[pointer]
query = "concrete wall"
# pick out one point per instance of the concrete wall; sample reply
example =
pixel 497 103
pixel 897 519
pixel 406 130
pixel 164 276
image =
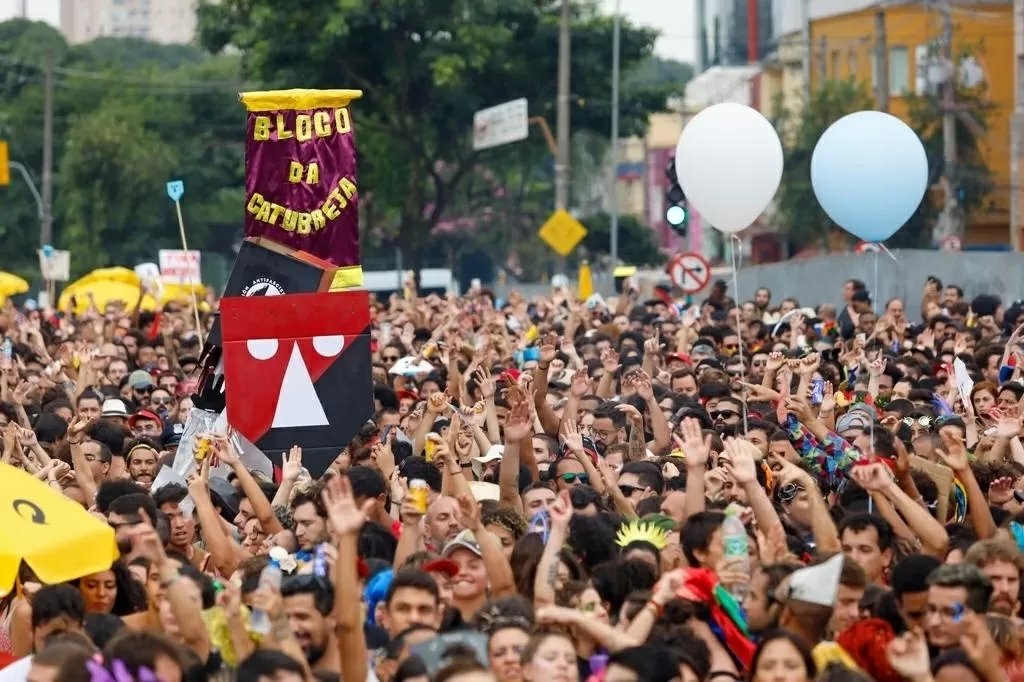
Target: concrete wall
pixel 820 280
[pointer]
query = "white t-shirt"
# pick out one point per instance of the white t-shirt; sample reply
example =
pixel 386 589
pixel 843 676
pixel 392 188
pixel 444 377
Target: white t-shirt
pixel 17 671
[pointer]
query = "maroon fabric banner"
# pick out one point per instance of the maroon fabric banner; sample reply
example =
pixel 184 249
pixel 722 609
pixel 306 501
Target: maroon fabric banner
pixel 300 172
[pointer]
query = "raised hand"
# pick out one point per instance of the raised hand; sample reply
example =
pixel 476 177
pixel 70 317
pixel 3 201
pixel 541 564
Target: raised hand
pixel 77 428
pixel 1007 427
pixel 642 383
pixel 908 655
pixel 1000 491
pixel 808 365
pixel 695 445
pixel 739 461
pixel 346 517
pixel 518 422
pixel 291 464
pixel 483 378
pixel 437 403
pixel 571 437
pixel 872 477
pixel 759 393
pixel 469 513
pixel 560 512
pixel 610 361
pixel 580 385
pixel 877 367
pixel 775 361
pixel 954 452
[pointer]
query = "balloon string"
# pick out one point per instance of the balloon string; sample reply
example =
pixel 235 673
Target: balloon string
pixel 739 321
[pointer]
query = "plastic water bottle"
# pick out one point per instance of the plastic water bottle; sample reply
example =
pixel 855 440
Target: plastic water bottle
pixel 736 544
pixel 259 621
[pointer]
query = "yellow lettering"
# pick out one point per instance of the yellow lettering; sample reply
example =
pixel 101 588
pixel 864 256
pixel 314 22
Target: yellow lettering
pixel 336 196
pixel 348 187
pixel 282 129
pixel 275 213
pixel 291 220
pixel 303 128
pixel 330 210
pixel 255 201
pixel 318 219
pixel 342 122
pixel 294 172
pixel 305 223
pixel 322 123
pixel 263 215
pixel 313 173
pixel 261 128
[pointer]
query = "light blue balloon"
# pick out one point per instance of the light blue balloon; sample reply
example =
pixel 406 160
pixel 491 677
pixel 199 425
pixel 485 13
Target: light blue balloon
pixel 869 172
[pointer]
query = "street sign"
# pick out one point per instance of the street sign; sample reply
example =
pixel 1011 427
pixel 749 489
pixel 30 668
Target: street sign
pixel 562 232
pixel 175 190
pixel 690 272
pixel 505 123
pixel 867 247
pixel 951 244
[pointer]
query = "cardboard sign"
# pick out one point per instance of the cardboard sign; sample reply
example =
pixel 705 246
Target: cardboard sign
pixel 297 371
pixel 943 477
pixel 180 267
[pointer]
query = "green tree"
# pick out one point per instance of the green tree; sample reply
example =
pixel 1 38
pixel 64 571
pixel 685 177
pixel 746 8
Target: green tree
pixel 425 68
pixel 156 112
pixel 798 214
pixel 637 244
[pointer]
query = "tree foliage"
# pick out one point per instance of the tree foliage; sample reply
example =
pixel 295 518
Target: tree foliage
pixel 129 116
pixel 424 69
pixel 637 243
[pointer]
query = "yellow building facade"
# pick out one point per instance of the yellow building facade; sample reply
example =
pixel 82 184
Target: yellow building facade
pixel 843 47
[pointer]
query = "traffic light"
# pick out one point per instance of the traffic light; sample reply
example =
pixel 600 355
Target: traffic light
pixel 677 213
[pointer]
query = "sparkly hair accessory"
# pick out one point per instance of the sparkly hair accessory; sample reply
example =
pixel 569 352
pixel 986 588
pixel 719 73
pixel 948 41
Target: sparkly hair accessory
pixel 642 531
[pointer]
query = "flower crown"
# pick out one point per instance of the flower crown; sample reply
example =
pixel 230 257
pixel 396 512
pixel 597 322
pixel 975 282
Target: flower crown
pixel 642 531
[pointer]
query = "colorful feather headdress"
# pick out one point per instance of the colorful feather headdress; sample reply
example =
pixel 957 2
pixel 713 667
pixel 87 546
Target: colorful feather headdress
pixel 636 530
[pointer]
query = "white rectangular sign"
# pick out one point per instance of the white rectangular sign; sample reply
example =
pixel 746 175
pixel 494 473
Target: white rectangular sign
pixel 505 123
pixel 180 267
pixel 56 267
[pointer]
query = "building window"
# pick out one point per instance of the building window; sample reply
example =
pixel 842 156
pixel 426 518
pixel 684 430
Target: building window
pixel 899 70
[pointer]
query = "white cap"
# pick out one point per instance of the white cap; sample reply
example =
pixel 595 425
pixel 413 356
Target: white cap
pixel 817 584
pixel 114 407
pixel 493 454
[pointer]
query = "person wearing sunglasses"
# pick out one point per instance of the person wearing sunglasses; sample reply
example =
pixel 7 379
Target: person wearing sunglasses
pixel 724 411
pixel 640 480
pixel 141 385
pixel 568 472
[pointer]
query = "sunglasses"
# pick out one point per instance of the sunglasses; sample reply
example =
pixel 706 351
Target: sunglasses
pixel 572 478
pixel 723 414
pixel 789 491
pixel 163 401
pixel 628 490
pixel 920 421
pixel 146 390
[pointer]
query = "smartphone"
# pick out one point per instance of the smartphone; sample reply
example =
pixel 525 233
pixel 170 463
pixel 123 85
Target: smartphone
pixel 817 391
pixel 862 338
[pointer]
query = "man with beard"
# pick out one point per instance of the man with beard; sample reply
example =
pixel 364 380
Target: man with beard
pixel 310 521
pixel 1000 561
pixel 309 607
pixel 954 590
pixel 141 456
pixel 609 426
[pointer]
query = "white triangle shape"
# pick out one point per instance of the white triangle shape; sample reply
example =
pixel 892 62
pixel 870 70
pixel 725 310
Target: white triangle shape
pixel 298 404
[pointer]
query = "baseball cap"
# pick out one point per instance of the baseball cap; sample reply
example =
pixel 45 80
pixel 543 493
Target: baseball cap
pixel 140 379
pixel 445 566
pixel 114 407
pixel 464 540
pixel 145 414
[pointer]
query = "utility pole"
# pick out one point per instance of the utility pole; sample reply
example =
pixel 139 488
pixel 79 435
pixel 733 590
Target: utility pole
pixel 562 123
pixel 46 228
pixel 754 50
pixel 948 97
pixel 23 9
pixel 881 61
pixel 1017 126
pixel 822 61
pixel 703 56
pixel 616 39
pixel 805 20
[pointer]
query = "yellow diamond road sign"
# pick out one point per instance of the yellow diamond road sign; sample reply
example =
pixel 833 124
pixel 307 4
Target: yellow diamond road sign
pixel 562 232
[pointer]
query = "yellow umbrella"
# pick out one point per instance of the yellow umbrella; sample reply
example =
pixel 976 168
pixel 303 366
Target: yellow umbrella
pixel 182 293
pixel 104 292
pixel 56 537
pixel 11 285
pixel 586 282
pixel 114 274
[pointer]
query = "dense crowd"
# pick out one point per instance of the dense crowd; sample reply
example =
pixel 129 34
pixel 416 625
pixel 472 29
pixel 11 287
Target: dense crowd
pixel 551 490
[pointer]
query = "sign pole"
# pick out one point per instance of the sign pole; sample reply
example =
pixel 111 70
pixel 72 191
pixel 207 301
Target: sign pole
pixel 176 190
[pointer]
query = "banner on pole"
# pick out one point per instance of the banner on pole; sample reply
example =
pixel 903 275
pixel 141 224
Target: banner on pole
pixel 54 265
pixel 300 173
pixel 180 267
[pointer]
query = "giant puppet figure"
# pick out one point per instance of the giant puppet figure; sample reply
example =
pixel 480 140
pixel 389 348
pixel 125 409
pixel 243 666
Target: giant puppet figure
pixel 290 354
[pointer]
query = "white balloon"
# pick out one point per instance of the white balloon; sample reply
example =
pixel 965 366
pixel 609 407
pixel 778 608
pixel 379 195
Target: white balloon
pixel 729 164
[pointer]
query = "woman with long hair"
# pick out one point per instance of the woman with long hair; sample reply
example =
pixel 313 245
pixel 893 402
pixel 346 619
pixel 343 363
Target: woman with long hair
pixel 114 591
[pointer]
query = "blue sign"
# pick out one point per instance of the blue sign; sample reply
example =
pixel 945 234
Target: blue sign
pixel 175 190
pixel 48 251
